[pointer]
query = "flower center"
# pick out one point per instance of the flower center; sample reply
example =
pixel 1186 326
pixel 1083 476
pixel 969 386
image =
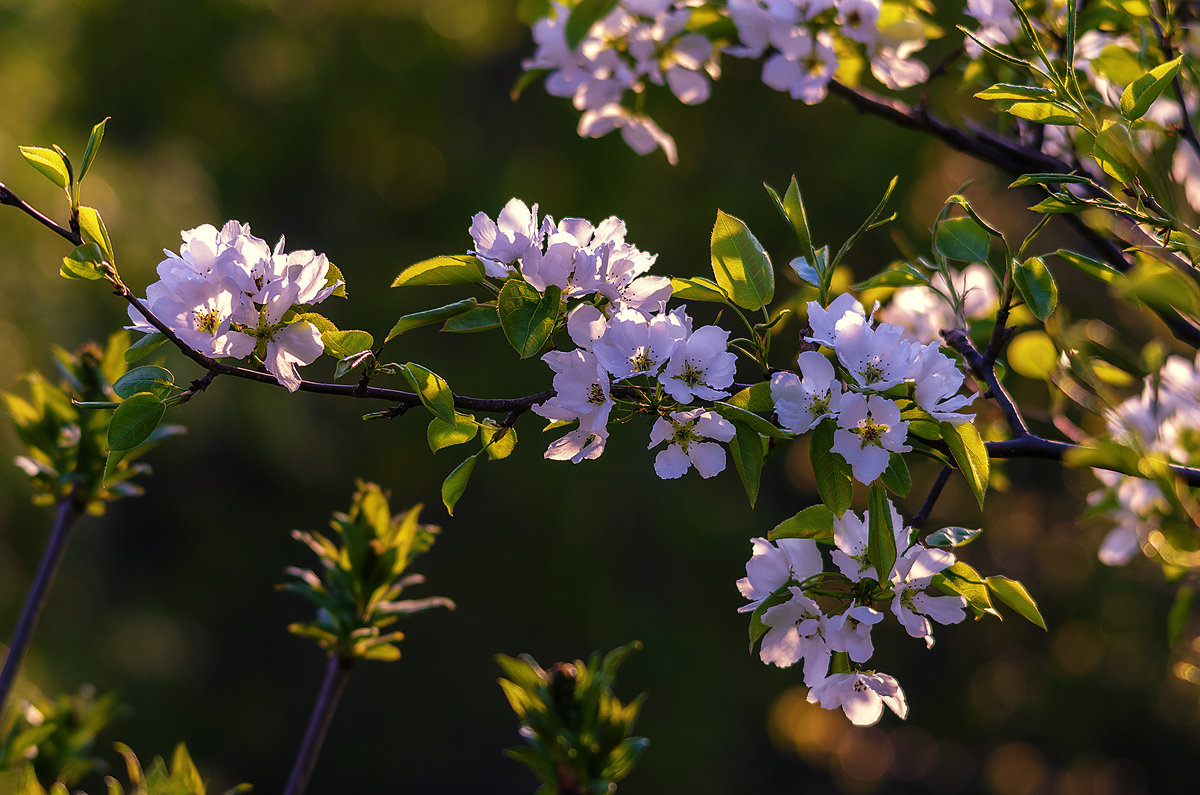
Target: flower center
pixel 595 395
pixel 208 321
pixel 869 432
pixel 642 361
pixel 691 375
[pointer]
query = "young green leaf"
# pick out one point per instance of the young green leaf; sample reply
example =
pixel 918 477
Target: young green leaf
pixel 49 163
pixel 697 289
pixel 969 454
pixel 455 484
pixel 158 381
pixel 91 226
pixel 964 581
pixel 498 445
pixel 747 451
pixel 341 344
pixel 896 476
pixel 751 420
pixel 144 347
pixel 432 389
pixel 815 522
pixel 482 318
pixel 756 398
pixel 447 270
pixel 1092 267
pixel 1013 594
pixel 93 146
pixel 526 316
pixel 1009 91
pixel 881 539
pixel 951 537
pixel 1044 112
pixel 831 471
pixel 83 263
pixel 134 420
pixel 740 266
pixel 441 434
pixel 1139 95
pixel 431 316
pixel 962 239
pixel 1037 287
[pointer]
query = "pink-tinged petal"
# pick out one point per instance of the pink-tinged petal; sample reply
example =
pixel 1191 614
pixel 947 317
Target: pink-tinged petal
pixel 585 325
pixel 577 446
pixel 863 708
pixel 713 426
pixel 803 557
pixel 692 88
pixel 709 458
pixel 871 463
pixel 660 431
pixel 781 646
pixel 671 463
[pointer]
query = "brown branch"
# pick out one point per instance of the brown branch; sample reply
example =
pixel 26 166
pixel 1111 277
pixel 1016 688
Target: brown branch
pixel 7 197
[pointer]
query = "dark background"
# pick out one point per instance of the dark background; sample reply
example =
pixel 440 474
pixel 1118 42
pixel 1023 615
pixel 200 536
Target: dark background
pixel 373 131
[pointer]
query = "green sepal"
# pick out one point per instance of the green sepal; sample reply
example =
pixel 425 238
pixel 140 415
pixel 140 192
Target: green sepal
pixel 815 522
pixel 430 316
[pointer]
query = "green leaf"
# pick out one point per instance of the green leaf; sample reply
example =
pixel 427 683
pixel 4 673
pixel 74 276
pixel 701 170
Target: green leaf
pixel 456 483
pixel 1103 454
pixel 962 239
pixel 50 163
pixel 831 471
pixel 1037 287
pixel 134 420
pixel 964 581
pixel 158 381
pixel 815 522
pixel 319 322
pixel 697 289
pixel 1092 267
pixel 527 317
pixel 482 318
pixel 498 446
pixel 896 476
pixel 1009 91
pixel 881 540
pixel 442 434
pixel 951 537
pixel 145 346
pixel 93 146
pixel 756 398
pixel 432 389
pixel 452 269
pixel 794 213
pixel 747 451
pixel 1058 204
pixel 91 226
pixel 1162 287
pixel 736 414
pixel 585 14
pixel 901 275
pixel 431 316
pixel 1013 594
pixel 1044 112
pixel 1053 178
pixel 969 454
pixel 1139 95
pixel 1114 151
pixel 82 263
pixel 341 344
pixel 740 265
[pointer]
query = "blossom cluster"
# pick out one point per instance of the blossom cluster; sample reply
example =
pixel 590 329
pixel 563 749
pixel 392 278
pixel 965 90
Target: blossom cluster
pixel 816 612
pixel 876 358
pixel 229 294
pixel 638 42
pixel 1164 422
pixel 623 333
pixel 807 38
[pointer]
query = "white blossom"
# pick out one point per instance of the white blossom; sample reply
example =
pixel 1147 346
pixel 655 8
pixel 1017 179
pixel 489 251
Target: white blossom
pixel 700 367
pixel 913 606
pixel 794 632
pixel 689 434
pixel 869 429
pixel 861 695
pixel 773 564
pixel 802 402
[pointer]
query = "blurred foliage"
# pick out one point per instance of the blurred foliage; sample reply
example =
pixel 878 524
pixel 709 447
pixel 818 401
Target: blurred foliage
pixel 361 575
pixel 50 740
pixel 577 730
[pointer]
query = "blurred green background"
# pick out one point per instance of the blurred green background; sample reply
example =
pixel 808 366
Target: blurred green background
pixel 373 131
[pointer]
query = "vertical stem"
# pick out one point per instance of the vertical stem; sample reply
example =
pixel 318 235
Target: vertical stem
pixel 65 517
pixel 337 671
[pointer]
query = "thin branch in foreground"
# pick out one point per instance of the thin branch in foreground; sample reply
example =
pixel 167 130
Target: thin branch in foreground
pixel 7 197
pixel 337 672
pixel 922 516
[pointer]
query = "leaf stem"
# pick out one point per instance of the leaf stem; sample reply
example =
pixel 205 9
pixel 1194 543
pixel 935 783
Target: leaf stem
pixel 337 672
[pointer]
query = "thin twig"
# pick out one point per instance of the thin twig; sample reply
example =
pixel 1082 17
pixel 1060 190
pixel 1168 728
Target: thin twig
pixel 337 671
pixel 922 516
pixel 69 511
pixel 986 371
pixel 13 200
